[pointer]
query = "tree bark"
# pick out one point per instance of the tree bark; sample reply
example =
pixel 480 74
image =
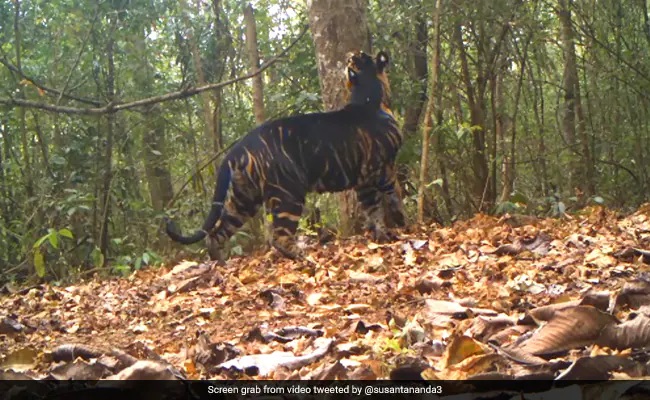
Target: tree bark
pixel 108 151
pixel 338 27
pixel 22 118
pixel 429 112
pixel 206 101
pixel 573 121
pixel 418 54
pixel 475 100
pixel 254 63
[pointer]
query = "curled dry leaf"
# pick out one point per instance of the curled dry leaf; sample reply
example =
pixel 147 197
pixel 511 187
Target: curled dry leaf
pixel 630 334
pixel 264 364
pixel 635 293
pixel 79 370
pixel 145 370
pixel 568 329
pixel 540 244
pixel 10 326
pixel 460 348
pixel 600 368
pixel 483 327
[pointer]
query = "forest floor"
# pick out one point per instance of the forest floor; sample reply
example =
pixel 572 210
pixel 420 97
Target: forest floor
pixel 510 297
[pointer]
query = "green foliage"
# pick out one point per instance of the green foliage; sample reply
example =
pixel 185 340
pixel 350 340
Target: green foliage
pixel 53 238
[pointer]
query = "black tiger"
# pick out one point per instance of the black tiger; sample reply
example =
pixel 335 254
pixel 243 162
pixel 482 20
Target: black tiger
pixel 280 161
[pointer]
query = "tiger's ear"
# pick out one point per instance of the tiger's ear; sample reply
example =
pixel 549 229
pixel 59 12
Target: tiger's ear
pixel 382 60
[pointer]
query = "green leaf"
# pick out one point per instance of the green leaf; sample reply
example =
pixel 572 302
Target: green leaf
pixel 97 257
pixel 461 132
pixel 57 160
pixel 561 208
pixel 40 241
pixel 599 200
pixel 65 232
pixel 138 263
pixel 39 263
pixel 237 250
pixel 54 239
pixel 144 258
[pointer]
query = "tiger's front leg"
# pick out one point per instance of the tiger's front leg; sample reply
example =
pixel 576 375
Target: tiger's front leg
pixel 286 216
pixel 370 199
pixel 388 186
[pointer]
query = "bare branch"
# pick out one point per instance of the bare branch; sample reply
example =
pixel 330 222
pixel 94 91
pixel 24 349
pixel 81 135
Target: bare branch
pixel 44 88
pixel 118 106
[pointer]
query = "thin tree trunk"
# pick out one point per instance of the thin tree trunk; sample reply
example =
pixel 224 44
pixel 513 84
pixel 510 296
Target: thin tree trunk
pixel 254 63
pixel 573 122
pixel 206 100
pixel 9 244
pixel 498 122
pixel 429 112
pixel 509 153
pixel 108 153
pixel 338 27
pixel 418 54
pixel 224 40
pixel 22 118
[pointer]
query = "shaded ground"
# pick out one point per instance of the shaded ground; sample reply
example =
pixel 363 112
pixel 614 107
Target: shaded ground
pixel 489 297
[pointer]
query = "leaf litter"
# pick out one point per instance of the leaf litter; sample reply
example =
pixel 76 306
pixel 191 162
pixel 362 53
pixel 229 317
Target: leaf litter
pixel 486 298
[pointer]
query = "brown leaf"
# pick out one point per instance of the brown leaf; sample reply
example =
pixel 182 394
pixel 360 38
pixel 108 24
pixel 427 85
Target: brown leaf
pixel 20 360
pixel 460 348
pixel 483 326
pixel 79 370
pixel 599 368
pixel 568 329
pixel 145 370
pixel 546 313
pixel 9 326
pixel 630 334
pixel 454 309
pixel 635 293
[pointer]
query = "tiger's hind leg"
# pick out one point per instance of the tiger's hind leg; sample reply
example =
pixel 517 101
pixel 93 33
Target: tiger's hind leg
pixel 286 213
pixel 238 208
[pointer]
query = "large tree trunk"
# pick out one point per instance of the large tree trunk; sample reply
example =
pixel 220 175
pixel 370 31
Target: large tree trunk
pixel 573 121
pixel 476 103
pixel 338 26
pixel 159 180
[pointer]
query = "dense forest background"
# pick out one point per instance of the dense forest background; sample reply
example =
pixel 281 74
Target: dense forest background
pixel 115 112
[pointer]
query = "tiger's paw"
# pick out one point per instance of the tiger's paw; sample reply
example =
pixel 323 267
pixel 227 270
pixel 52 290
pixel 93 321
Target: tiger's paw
pixel 383 236
pixel 289 250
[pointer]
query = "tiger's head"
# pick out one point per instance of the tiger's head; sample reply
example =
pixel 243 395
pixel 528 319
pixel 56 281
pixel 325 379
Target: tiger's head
pixel 367 80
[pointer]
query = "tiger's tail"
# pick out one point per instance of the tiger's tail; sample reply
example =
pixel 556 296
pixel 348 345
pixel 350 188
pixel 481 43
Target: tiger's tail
pixel 220 193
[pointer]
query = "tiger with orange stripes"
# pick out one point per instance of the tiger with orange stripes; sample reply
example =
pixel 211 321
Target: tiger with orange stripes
pixel 280 161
